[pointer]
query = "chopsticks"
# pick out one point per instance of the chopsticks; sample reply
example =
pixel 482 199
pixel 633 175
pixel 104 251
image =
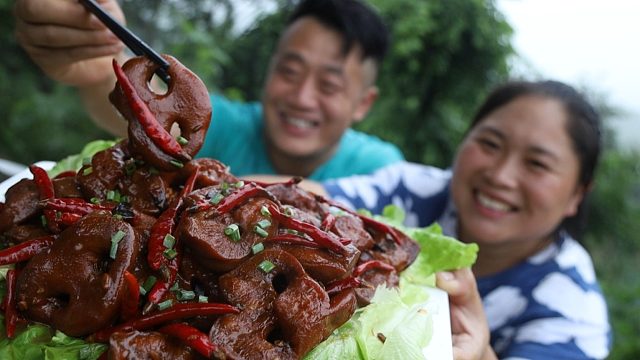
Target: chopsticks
pixel 130 39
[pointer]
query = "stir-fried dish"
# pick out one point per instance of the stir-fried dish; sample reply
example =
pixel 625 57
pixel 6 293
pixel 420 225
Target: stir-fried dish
pixel 160 255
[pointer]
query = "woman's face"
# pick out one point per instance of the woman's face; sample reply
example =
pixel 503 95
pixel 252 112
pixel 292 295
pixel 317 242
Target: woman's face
pixel 516 174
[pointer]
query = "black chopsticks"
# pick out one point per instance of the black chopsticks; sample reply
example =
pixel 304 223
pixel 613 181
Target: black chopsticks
pixel 132 41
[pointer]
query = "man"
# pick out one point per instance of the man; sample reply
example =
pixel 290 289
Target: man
pixel 321 80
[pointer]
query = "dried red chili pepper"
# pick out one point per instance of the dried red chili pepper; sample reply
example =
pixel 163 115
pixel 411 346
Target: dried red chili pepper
pixel 132 298
pixel 10 311
pixel 162 286
pixel 346 283
pixel 68 219
pixel 238 197
pixel 159 135
pixel 52 221
pixel 326 239
pixel 192 337
pixel 293 181
pixel 64 174
pixel 372 264
pixel 176 312
pixel 374 224
pixel 160 229
pixel 25 250
pixel 234 199
pixel 165 224
pixel 328 222
pixel 75 205
pixel 292 239
pixel 43 182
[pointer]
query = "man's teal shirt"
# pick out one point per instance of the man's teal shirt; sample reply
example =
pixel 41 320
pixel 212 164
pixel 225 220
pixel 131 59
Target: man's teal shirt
pixel 235 138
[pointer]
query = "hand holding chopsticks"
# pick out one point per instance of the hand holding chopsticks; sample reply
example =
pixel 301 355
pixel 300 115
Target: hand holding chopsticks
pixel 132 41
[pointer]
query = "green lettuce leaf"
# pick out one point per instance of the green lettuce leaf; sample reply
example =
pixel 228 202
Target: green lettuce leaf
pixel 399 316
pixel 36 342
pixel 74 162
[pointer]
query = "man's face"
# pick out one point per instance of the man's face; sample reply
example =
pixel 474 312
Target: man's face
pixel 314 92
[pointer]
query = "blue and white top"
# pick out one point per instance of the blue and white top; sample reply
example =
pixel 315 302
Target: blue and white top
pixel 547 307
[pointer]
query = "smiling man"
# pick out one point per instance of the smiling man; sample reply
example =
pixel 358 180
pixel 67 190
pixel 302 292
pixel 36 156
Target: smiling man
pixel 320 81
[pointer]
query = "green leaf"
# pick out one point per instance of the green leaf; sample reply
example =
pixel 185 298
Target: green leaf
pixel 75 162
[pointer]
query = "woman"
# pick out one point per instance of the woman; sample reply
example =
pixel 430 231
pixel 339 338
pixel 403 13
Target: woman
pixel 519 179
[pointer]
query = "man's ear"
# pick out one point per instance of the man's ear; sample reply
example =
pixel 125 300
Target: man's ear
pixel 366 101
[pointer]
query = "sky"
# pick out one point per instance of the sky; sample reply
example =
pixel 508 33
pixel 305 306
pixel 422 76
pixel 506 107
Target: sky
pixel 586 43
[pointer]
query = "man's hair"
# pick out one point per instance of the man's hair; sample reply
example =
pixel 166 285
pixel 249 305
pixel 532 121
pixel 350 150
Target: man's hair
pixel 357 22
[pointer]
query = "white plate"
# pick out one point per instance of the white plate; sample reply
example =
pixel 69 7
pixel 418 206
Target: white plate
pixel 439 347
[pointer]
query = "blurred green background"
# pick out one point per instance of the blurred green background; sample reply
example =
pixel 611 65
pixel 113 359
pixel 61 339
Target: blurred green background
pixel 446 55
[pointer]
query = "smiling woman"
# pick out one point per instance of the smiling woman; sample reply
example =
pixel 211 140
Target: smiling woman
pixel 519 177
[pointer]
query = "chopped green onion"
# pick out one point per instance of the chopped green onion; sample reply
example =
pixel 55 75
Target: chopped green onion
pixel 257 248
pixel 169 241
pixel 111 195
pixel 238 184
pixel 43 220
pixel 215 199
pixel 148 284
pixel 170 254
pixel 153 171
pixel 233 232
pixel 115 239
pixel 58 215
pixel 186 295
pixel 264 211
pixel 266 266
pixel 224 186
pixel 95 200
pixel 203 299
pixel 165 304
pixel 119 235
pixel 260 231
pixel 177 163
pixel 182 140
pixel 264 223
pixel 124 199
pixel 292 232
pixel 175 287
pixel 87 171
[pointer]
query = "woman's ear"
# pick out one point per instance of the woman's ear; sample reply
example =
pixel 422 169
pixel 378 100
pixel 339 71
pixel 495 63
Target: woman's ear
pixel 576 199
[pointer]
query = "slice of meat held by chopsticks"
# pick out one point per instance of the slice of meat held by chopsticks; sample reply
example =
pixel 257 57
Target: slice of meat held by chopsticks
pixel 152 115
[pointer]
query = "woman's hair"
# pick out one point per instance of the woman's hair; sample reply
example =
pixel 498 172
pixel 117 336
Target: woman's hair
pixel 583 128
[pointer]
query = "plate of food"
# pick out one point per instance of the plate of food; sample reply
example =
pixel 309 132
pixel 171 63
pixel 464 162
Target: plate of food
pixel 134 249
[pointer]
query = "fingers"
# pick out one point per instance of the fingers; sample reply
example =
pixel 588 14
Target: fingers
pixel 53 36
pixel 468 322
pixel 458 284
pixel 66 41
pixel 68 13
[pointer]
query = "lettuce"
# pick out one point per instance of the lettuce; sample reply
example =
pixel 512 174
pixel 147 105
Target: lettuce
pixel 74 162
pixel 37 342
pixel 399 316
